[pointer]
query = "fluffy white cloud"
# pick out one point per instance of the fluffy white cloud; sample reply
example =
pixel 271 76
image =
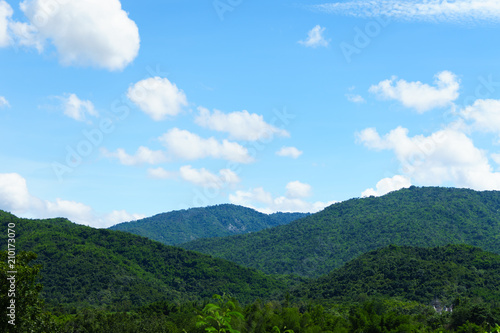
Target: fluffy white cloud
pixel 241 125
pixel 297 189
pixel 263 201
pixel 387 185
pixel 157 97
pixel 85 32
pixel 143 155
pixel 160 173
pixel 27 35
pixel 203 177
pixel 419 96
pixel 289 152
pixel 186 145
pixel 5 15
pixel 14 194
pixel 118 216
pixel 484 114
pixel 315 38
pixel 4 102
pixel 76 108
pixel 460 11
pixel 16 198
pixel 72 210
pixel 447 155
pixel 199 177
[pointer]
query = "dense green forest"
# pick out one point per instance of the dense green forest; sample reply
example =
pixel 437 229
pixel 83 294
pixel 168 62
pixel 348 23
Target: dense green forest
pixel 214 221
pixel 83 266
pixel 441 274
pixel 80 279
pixel 321 242
pixel 296 312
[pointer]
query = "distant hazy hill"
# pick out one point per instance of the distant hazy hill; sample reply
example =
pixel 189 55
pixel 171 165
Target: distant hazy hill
pixel 416 274
pixel 86 266
pixel 317 244
pixel 215 221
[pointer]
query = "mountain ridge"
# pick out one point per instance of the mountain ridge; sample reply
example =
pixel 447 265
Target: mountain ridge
pixel 321 242
pixel 180 226
pixel 100 267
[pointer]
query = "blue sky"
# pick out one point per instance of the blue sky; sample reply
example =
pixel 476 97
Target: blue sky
pixel 111 111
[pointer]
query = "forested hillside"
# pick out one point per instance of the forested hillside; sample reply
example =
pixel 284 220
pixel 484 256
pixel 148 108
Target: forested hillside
pixel 442 274
pixel 214 221
pixel 82 266
pixel 99 280
pixel 321 242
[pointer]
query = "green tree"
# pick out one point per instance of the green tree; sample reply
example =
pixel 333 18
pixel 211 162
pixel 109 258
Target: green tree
pixel 218 318
pixel 19 295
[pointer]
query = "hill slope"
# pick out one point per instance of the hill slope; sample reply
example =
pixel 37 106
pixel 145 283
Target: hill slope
pixel 86 266
pixel 215 221
pixel 321 242
pixel 416 274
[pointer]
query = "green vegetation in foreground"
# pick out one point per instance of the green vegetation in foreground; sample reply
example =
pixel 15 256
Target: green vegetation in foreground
pixel 227 315
pixel 441 274
pixel 82 267
pixel 319 243
pixel 214 221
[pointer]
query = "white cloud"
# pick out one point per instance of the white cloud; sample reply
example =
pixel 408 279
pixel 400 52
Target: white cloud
pixel 246 198
pixel 157 97
pixel 14 194
pixel 297 189
pixel 199 177
pixel 118 216
pixel 27 35
pixel 485 114
pixel 315 38
pixel 496 158
pixel 240 125
pixel 203 177
pixel 5 15
pixel 355 98
pixel 445 156
pixel 74 211
pixel 16 198
pixel 76 108
pixel 4 102
pixel 419 96
pixel 143 155
pixel 289 152
pixel 186 145
pixel 458 11
pixel 264 202
pixel 86 32
pixel 387 185
pixel 160 173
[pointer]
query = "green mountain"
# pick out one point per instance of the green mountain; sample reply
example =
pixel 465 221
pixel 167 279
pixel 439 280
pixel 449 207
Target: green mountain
pixel 319 243
pixel 215 221
pixel 82 266
pixel 417 274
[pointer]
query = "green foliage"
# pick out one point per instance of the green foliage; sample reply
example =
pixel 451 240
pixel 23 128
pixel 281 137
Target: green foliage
pixel 28 309
pixel 217 318
pixel 109 281
pixel 319 243
pixel 214 221
pixel 85 267
pixel 416 274
pixel 497 329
